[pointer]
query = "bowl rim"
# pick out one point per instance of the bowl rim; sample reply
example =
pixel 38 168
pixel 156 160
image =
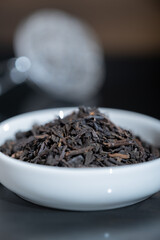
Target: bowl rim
pixel 19 163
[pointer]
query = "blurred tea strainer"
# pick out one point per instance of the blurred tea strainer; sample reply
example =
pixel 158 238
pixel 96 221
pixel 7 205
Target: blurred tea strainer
pixel 60 54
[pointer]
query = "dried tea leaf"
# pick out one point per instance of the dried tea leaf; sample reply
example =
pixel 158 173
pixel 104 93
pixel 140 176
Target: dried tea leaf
pixel 86 138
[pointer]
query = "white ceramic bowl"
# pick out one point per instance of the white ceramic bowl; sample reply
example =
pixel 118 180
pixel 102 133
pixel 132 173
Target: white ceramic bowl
pixel 82 189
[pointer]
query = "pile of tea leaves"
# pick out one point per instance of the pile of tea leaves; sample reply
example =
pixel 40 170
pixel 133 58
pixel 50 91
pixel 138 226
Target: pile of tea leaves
pixel 86 138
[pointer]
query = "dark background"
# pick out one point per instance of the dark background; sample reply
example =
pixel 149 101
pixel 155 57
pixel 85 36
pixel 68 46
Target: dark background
pixel 131 82
pixel 130 36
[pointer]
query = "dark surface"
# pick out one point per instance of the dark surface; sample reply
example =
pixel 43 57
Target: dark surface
pixel 131 83
pixel 21 220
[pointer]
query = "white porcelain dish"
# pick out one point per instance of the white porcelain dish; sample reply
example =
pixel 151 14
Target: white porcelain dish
pixel 82 189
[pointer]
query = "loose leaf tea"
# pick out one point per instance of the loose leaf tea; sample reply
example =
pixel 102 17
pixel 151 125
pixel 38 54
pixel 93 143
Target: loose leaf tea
pixel 86 138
